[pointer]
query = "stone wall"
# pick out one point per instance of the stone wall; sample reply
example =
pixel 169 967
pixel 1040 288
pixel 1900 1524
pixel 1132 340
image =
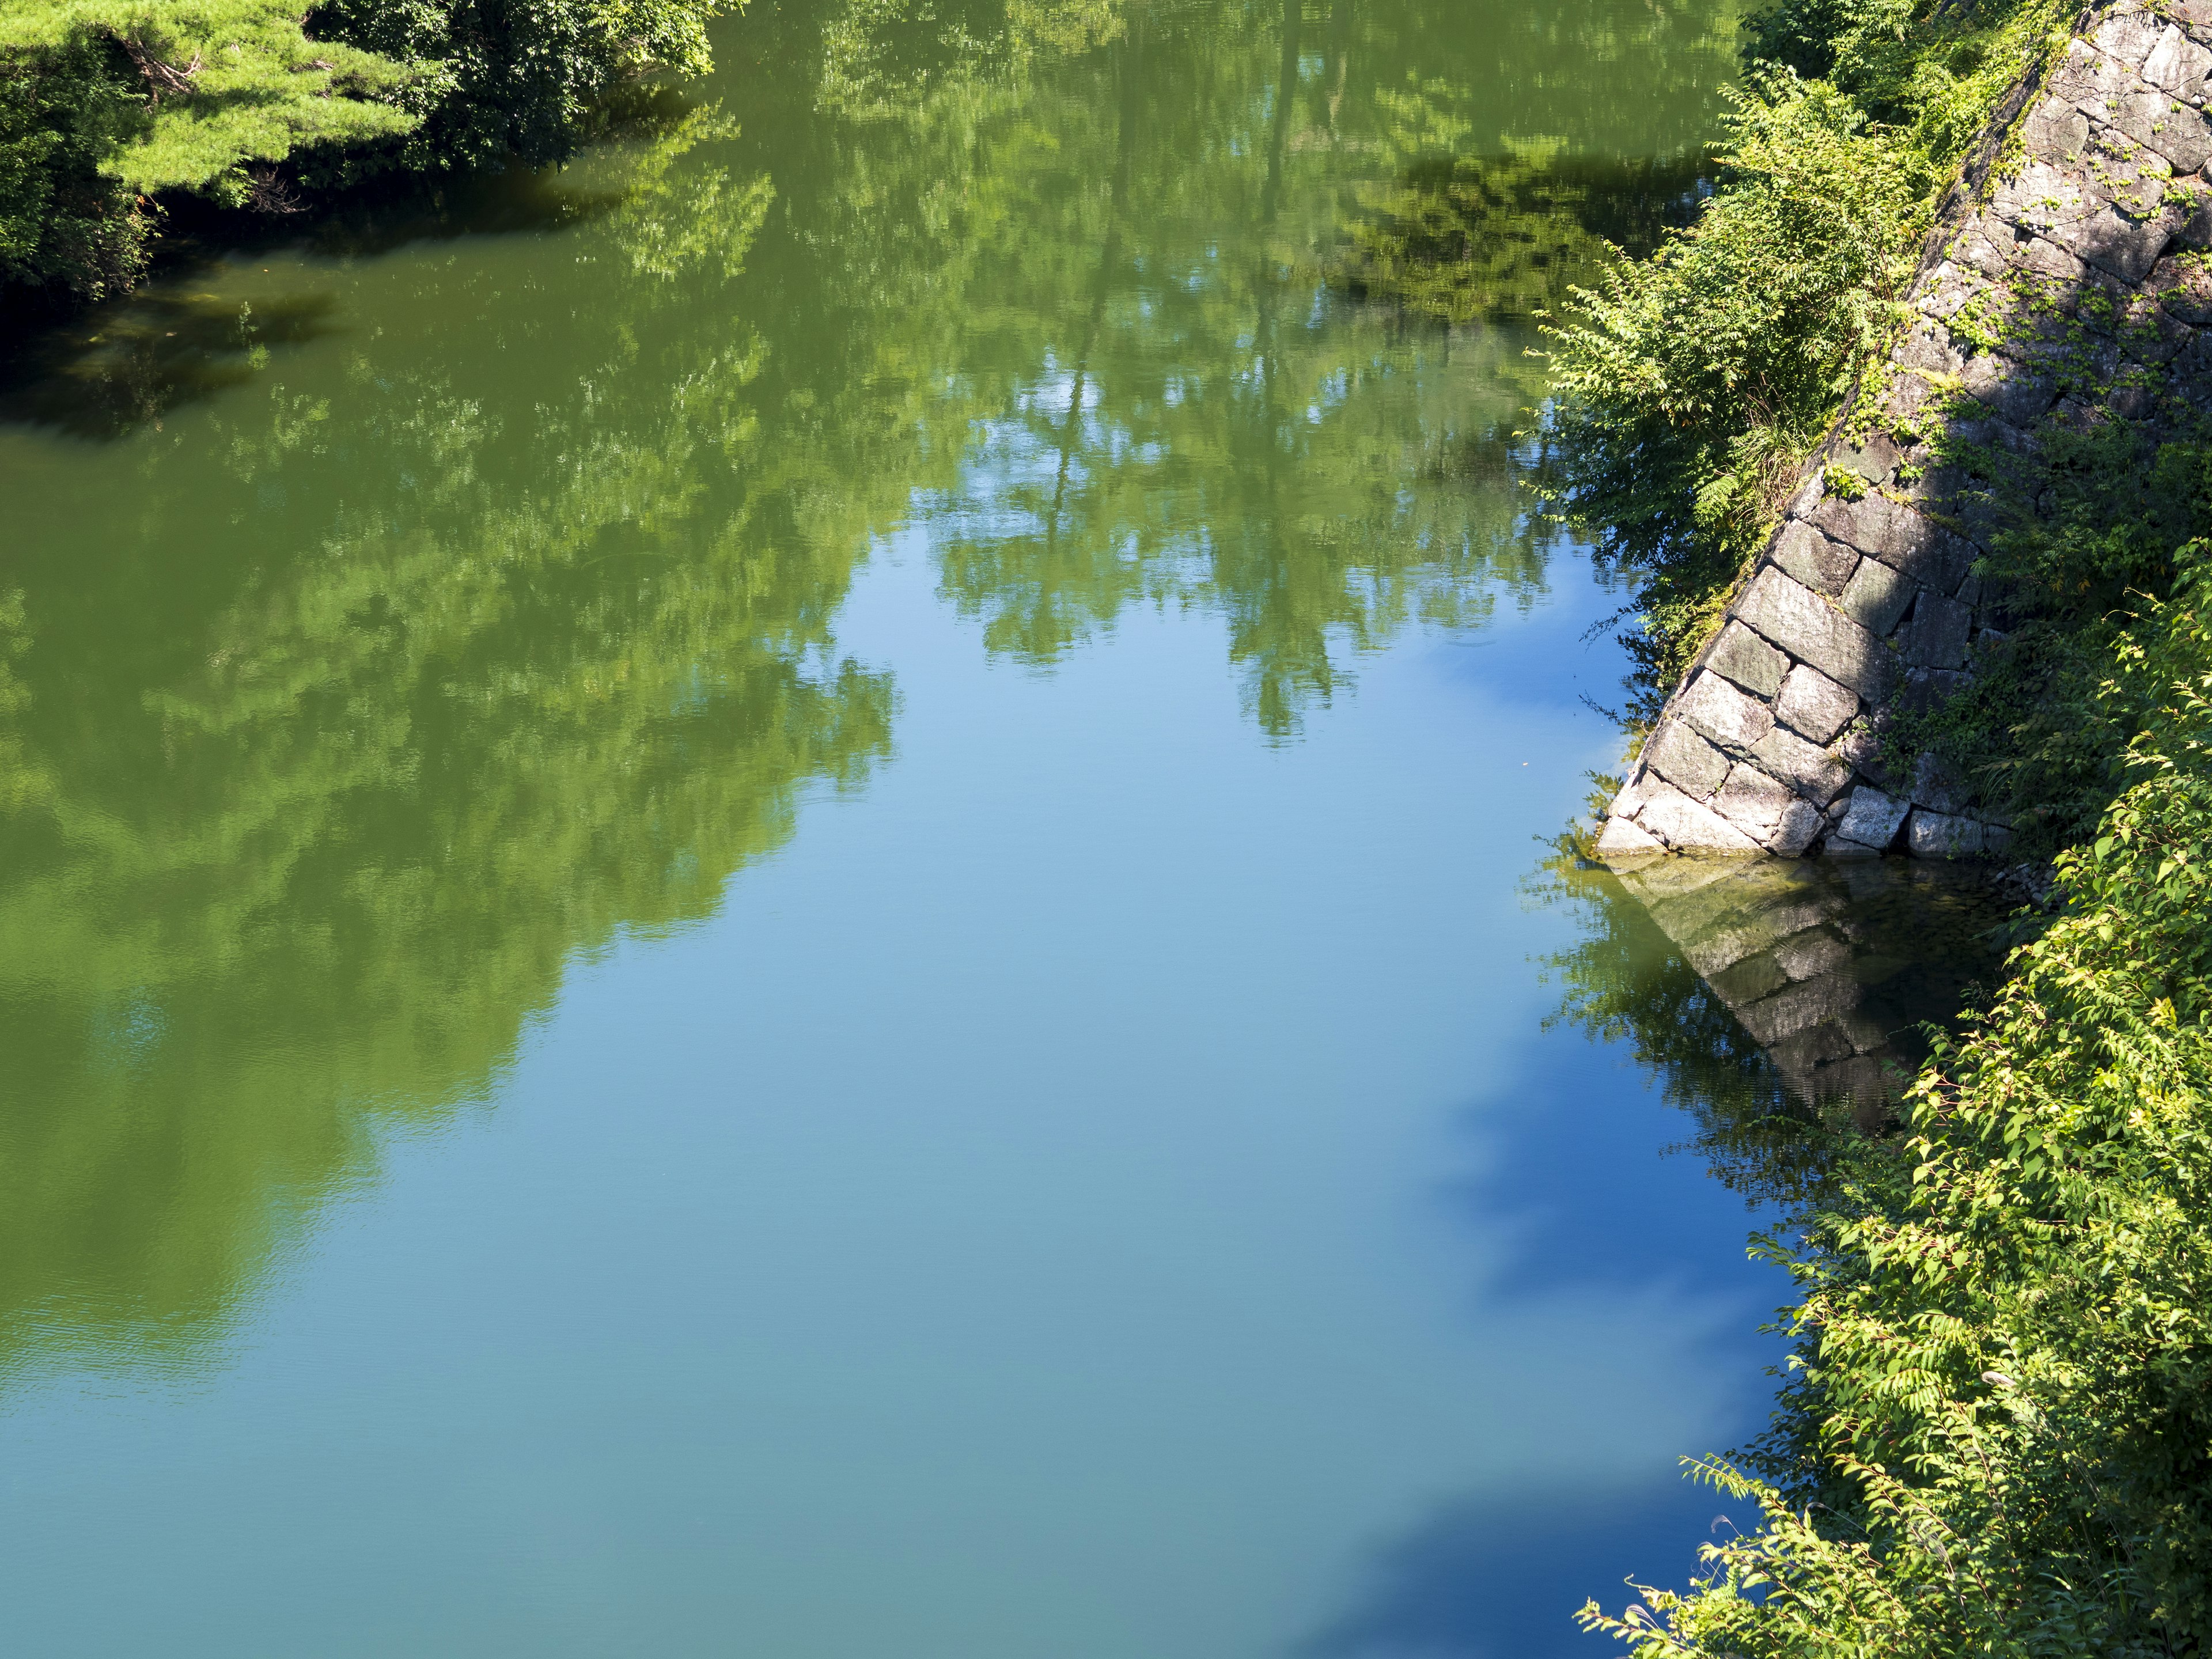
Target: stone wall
pixel 2066 281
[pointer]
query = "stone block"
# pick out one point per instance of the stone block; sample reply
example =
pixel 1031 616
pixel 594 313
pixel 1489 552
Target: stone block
pixel 1871 819
pixel 1749 661
pixel 2012 390
pixel 1935 635
pixel 1836 847
pixel 1723 714
pixel 1809 771
pixel 2178 63
pixel 2056 131
pixel 1875 597
pixel 1941 562
pixel 2148 116
pixel 1685 825
pixel 1752 801
pixel 1873 523
pixel 1630 801
pixel 1937 784
pixel 1813 704
pixel 1821 564
pixel 1942 835
pixel 2183 288
pixel 1791 616
pixel 1862 750
pixel 1925 690
pixel 2130 37
pixel 1686 760
pixel 1794 834
pixel 1620 839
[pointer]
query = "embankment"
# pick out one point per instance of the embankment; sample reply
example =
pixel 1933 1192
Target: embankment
pixel 2063 291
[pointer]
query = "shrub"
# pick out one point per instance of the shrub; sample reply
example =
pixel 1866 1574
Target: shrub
pixel 1997 1439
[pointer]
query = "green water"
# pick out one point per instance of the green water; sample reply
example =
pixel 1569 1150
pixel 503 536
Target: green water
pixel 771 898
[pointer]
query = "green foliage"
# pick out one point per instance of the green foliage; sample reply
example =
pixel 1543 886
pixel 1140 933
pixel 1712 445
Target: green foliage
pixel 63 221
pixel 1997 1439
pixel 519 80
pixel 2090 524
pixel 1690 386
pixel 224 83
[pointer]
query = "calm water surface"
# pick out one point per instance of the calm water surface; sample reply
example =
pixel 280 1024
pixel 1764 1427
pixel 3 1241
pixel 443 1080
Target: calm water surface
pixel 775 899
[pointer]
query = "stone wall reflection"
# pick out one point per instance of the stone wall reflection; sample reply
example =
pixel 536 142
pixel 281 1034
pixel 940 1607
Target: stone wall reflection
pixel 1775 1001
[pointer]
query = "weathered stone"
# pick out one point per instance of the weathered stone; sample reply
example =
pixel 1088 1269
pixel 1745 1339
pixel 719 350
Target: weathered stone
pixel 1686 760
pixel 2178 63
pixel 1871 820
pixel 2055 131
pixel 1812 558
pixel 1873 523
pixel 2184 288
pixel 1622 840
pixel 1752 801
pixel 1723 714
pixel 1813 704
pixel 1807 769
pixel 1861 748
pixel 1638 790
pixel 1800 823
pixel 1838 847
pixel 1684 825
pixel 1937 784
pixel 1941 562
pixel 1875 597
pixel 1925 690
pixel 1792 616
pixel 2012 390
pixel 1749 661
pixel 1940 836
pixel 1935 635
pixel 2130 37
pixel 2148 117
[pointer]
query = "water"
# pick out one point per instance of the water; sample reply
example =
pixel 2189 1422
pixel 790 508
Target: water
pixel 782 897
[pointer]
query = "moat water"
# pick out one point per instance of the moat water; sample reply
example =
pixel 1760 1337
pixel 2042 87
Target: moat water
pixel 788 897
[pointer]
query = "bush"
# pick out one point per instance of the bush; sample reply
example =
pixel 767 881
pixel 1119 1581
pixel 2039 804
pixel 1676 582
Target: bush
pixel 1689 387
pixel 63 223
pixel 1997 1439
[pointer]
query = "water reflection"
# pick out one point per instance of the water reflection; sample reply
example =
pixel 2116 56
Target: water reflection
pixel 1777 1002
pixel 391 617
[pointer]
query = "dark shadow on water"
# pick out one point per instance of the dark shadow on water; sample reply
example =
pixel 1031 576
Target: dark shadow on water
pixel 1493 1579
pixel 128 364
